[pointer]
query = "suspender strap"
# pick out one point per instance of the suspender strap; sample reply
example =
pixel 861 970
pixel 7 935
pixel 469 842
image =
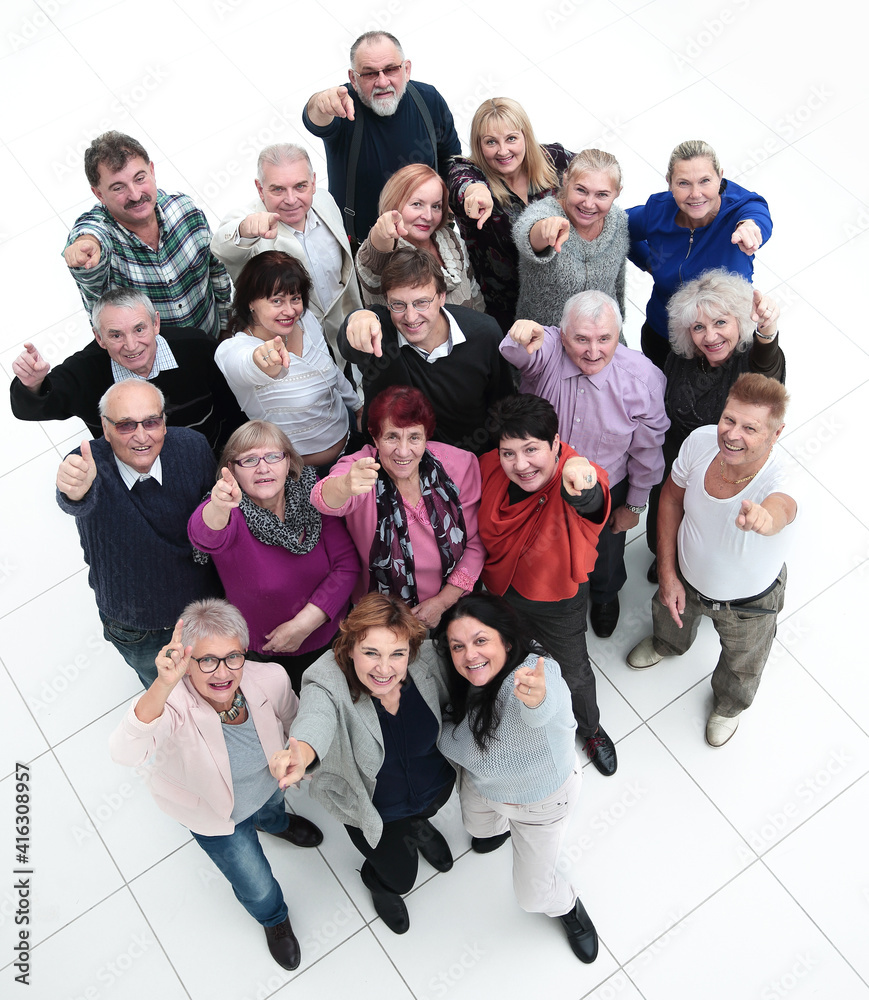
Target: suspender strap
pixel 356 146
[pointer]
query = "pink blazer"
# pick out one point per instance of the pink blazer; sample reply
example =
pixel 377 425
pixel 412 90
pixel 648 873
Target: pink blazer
pixel 188 766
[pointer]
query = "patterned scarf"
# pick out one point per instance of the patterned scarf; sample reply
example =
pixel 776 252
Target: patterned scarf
pixel 299 531
pixel 391 558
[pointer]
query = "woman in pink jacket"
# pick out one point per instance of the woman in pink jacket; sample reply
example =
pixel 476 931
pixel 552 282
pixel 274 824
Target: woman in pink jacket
pixel 204 709
pixel 410 505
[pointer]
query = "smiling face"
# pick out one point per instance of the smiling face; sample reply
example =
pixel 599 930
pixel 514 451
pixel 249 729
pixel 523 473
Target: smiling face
pixel 134 400
pixel 478 651
pixel 590 345
pixel 694 185
pixel 715 337
pixel 130 193
pixel 400 450
pixel 423 212
pixel 379 76
pixel 264 483
pixel 426 327
pixel 287 189
pixel 219 688
pixel 130 337
pixel 745 437
pixel 529 462
pixel 588 198
pixel 503 149
pixel 275 316
pixel 380 660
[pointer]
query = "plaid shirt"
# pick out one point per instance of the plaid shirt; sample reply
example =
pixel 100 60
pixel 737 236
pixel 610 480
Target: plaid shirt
pixel 184 280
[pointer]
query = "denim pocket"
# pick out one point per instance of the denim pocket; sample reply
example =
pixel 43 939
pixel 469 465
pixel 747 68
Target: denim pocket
pixel 114 630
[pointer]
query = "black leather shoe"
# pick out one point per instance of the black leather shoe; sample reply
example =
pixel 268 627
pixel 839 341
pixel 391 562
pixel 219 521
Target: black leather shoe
pixel 389 906
pixel 581 935
pixel 601 751
pixel 432 845
pixel 485 845
pixel 652 574
pixel 300 832
pixel 604 618
pixel 283 945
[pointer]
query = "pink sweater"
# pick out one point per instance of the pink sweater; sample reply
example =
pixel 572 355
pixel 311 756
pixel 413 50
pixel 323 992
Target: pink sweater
pixel 360 513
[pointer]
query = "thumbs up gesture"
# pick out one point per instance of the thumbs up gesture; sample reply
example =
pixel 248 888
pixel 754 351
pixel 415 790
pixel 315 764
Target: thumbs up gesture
pixel 77 473
pixel 529 686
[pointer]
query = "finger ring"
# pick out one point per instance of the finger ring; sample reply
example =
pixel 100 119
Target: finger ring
pixel 527 689
pixel 588 479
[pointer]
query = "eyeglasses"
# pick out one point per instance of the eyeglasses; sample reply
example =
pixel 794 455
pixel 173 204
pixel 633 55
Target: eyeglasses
pixel 373 74
pixel 252 461
pixel 420 305
pixel 129 426
pixel 208 664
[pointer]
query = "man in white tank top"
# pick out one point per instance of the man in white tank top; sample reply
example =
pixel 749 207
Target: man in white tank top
pixel 722 545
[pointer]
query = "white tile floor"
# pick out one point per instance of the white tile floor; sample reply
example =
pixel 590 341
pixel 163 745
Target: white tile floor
pixel 727 875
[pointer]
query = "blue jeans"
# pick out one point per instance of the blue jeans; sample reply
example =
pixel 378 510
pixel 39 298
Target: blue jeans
pixel 137 646
pixel 239 856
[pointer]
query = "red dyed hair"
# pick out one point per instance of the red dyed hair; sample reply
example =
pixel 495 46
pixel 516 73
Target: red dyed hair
pixel 404 406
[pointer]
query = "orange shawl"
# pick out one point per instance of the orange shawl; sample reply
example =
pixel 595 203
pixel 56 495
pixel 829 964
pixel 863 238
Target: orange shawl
pixel 539 546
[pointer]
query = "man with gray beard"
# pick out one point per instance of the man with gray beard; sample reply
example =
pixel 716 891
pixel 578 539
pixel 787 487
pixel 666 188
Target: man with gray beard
pixel 377 125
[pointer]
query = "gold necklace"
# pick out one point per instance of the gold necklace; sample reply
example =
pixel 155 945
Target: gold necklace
pixel 736 482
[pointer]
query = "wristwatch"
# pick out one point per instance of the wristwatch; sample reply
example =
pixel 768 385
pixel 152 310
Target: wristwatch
pixel 635 510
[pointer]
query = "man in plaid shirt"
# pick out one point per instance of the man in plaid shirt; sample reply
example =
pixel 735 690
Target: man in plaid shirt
pixel 143 238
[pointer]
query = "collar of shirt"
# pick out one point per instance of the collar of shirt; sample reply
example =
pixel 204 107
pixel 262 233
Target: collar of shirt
pixel 570 370
pixel 164 361
pixel 454 337
pixel 311 223
pixel 130 476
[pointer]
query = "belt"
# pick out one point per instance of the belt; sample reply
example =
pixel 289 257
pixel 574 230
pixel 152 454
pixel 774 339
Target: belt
pixel 713 605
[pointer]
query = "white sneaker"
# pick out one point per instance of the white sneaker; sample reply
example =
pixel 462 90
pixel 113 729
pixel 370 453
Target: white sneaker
pixel 643 654
pixel 719 729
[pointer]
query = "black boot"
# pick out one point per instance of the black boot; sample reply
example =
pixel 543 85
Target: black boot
pixel 581 935
pixel 388 905
pixel 283 945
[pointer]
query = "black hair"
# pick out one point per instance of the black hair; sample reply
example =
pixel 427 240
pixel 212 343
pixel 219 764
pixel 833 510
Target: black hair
pixel 524 416
pixel 495 613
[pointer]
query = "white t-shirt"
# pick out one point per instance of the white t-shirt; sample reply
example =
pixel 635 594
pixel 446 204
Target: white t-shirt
pixel 715 557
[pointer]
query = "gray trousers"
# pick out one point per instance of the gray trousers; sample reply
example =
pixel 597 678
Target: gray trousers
pixel 746 633
pixel 537 831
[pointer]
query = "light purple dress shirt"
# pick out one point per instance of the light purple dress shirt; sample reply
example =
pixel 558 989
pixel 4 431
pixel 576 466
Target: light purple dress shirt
pixel 615 418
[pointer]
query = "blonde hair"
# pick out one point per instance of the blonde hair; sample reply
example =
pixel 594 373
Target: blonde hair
pixel 537 166
pixel 692 149
pixel 587 161
pixel 261 433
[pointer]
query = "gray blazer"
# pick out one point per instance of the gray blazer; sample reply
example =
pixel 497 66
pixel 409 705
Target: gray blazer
pixel 347 738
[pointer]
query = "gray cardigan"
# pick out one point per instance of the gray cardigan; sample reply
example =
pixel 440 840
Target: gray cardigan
pixel 347 738
pixel 547 280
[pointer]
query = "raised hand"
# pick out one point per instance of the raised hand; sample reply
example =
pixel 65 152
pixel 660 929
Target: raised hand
pixel 529 686
pixel 173 659
pixel 578 475
pixel 362 476
pixel 271 356
pixel 288 766
pixel 84 252
pixel 747 236
pixel 31 367
pixel 765 313
pixel 551 232
pixel 335 102
pixel 388 228
pixel 754 517
pixel 364 332
pixel 77 473
pixel 259 226
pixel 226 494
pixel 478 202
pixel 527 333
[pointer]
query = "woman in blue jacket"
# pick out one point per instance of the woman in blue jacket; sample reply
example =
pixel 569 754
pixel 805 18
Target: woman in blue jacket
pixel 703 221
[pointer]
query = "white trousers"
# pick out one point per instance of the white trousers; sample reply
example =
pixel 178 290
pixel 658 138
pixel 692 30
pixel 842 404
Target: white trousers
pixel 537 831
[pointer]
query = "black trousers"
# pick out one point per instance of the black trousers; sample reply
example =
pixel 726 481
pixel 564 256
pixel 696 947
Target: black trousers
pixel 609 574
pixel 654 346
pixel 395 860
